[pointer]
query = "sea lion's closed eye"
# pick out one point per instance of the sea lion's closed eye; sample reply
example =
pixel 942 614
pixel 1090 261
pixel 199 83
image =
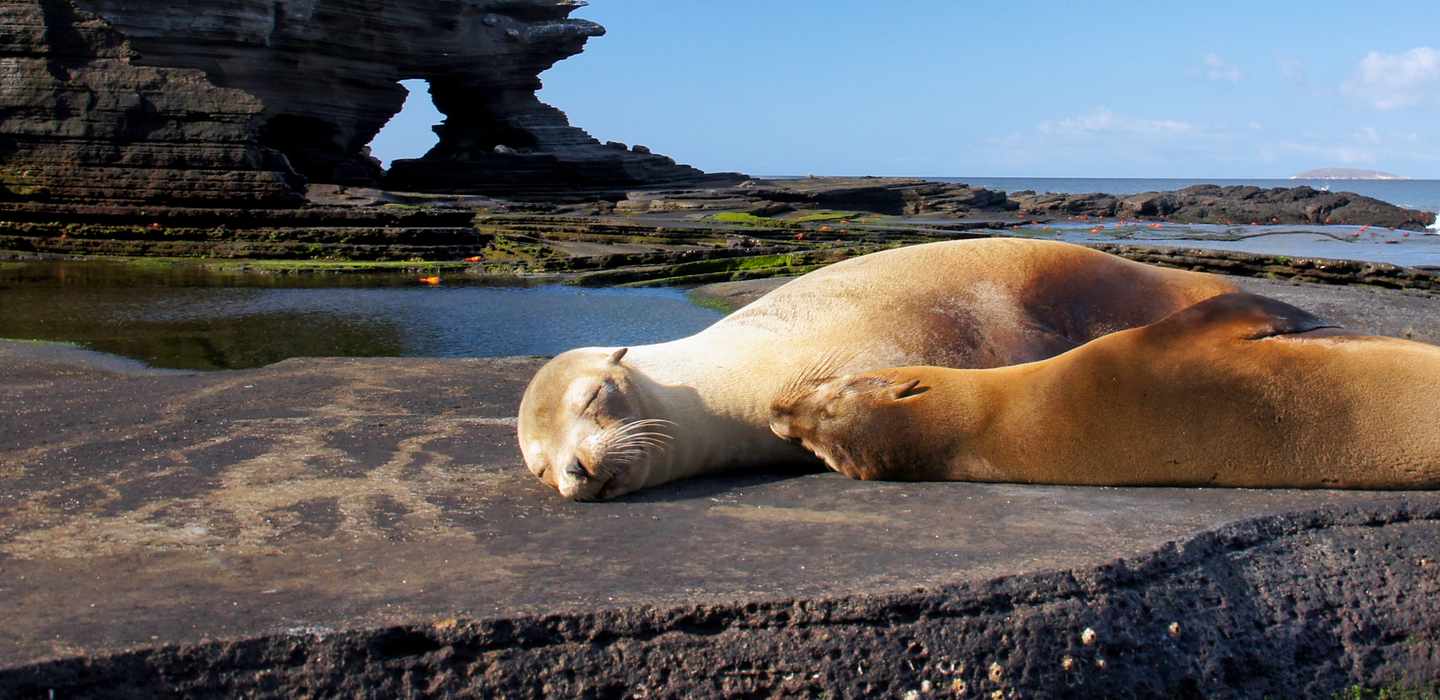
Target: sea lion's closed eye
pixel 594 395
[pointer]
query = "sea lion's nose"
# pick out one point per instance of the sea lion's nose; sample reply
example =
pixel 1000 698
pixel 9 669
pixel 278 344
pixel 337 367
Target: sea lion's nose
pixel 577 472
pixel 781 429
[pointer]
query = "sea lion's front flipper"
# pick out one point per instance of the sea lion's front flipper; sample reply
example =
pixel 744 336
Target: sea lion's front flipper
pixel 1242 315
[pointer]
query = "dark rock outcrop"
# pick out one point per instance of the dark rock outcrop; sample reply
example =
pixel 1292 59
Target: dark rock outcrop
pixel 911 197
pixel 234 100
pixel 82 120
pixel 896 196
pixel 1236 204
pixel 877 195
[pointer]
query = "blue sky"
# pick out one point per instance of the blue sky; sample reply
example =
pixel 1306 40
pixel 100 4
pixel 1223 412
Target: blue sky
pixel 1013 88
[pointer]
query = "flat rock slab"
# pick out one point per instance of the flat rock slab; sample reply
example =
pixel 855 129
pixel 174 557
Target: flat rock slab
pixel 142 508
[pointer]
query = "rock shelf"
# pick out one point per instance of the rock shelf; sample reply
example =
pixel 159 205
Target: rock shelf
pixel 339 527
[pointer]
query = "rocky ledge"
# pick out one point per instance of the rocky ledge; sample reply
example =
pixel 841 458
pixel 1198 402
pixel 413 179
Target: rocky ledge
pixel 365 527
pixel 689 236
pixel 240 102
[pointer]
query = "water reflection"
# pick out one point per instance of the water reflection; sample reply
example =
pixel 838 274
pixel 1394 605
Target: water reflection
pixel 189 318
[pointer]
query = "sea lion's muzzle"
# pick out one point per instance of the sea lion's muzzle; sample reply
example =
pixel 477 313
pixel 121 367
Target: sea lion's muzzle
pixel 573 482
pixel 577 472
pixel 782 430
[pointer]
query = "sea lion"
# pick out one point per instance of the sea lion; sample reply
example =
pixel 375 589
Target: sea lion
pixel 600 422
pixel 1238 390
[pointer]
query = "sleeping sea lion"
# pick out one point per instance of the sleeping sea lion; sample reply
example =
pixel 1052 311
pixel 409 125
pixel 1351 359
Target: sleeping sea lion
pixel 600 422
pixel 1237 390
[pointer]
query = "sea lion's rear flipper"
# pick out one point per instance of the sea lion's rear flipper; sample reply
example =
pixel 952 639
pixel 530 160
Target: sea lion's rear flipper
pixel 1242 315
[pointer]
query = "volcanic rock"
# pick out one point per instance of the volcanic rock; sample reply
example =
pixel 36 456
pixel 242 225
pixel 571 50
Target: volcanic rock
pixel 233 101
pixel 82 120
pixel 880 195
pixel 1237 204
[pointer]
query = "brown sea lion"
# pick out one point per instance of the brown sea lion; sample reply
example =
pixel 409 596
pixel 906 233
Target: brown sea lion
pixel 1237 390
pixel 599 422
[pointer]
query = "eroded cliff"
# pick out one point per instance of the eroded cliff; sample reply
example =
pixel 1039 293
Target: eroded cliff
pixel 82 120
pixel 244 100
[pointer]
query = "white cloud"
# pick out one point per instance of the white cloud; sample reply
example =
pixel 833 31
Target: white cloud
pixel 1217 69
pixel 1392 81
pixel 1104 121
pixel 1293 69
pixel 1368 135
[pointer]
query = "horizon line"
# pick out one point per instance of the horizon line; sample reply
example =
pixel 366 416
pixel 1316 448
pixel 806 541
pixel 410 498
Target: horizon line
pixel 1117 177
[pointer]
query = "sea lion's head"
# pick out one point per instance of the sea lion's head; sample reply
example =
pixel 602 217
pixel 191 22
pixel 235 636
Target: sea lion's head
pixel 581 429
pixel 843 419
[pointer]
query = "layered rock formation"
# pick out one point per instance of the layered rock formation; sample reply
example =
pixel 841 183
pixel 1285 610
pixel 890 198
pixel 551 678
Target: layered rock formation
pixel 81 120
pixel 232 100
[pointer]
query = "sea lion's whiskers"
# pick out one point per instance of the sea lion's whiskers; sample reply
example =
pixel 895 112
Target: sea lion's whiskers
pixel 639 441
pixel 622 429
pixel 822 370
pixel 642 437
pixel 625 443
pixel 638 446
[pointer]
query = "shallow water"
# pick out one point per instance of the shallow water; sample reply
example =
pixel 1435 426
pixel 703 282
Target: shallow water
pixel 187 318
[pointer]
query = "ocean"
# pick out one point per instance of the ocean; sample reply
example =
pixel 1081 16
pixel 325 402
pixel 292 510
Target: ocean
pixel 1411 194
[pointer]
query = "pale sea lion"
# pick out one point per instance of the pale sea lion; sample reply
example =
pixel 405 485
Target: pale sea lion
pixel 599 422
pixel 1238 390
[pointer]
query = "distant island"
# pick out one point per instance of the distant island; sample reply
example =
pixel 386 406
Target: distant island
pixel 1345 174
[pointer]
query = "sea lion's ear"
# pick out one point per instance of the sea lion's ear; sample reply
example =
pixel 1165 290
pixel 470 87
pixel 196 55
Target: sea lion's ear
pixel 880 387
pixel 618 355
pixel 904 390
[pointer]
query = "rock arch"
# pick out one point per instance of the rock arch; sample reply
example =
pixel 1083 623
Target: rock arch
pixel 245 100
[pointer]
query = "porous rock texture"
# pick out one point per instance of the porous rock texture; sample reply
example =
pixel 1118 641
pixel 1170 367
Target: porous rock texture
pixel 1305 605
pixel 236 100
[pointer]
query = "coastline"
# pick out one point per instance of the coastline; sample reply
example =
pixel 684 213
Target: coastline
pixel 687 237
pixel 363 524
